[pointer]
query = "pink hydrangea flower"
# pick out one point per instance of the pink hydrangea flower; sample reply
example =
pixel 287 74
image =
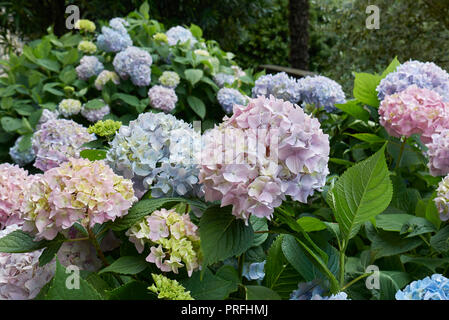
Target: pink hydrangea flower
pixel 78 191
pixel 266 151
pixel 414 111
pixel 438 153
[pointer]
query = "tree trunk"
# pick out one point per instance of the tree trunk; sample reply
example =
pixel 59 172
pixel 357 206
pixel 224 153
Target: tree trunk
pixel 299 34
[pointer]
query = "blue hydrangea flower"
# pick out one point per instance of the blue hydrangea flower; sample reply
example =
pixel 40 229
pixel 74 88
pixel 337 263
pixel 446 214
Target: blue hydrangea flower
pixel 424 74
pixel 254 271
pixel 281 86
pixel 114 38
pixel 135 63
pixel 22 158
pixel 313 291
pixel 181 35
pixel 158 152
pixel 221 79
pixel 227 97
pixel 321 92
pixel 89 66
pixel 429 288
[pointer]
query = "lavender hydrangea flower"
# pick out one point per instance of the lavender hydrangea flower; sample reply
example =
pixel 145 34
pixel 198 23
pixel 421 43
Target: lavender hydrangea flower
pixel 140 150
pixel 227 97
pixel 46 116
pixel 22 158
pixel 221 79
pixel 438 153
pixel 57 140
pixel 162 98
pixel 281 86
pixel 435 287
pixel 94 115
pixel 135 63
pixel 114 38
pixel 181 35
pixel 321 92
pixel 89 66
pixel 254 271
pixel 425 75
pixel 313 291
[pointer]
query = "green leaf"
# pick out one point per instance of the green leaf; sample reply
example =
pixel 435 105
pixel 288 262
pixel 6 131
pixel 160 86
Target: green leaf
pixel 365 85
pixel 144 10
pixel 93 154
pixel 50 251
pixel 19 242
pixel 51 65
pixel 129 99
pixel 391 67
pixel 196 31
pixel 10 124
pixel 95 104
pixel 197 106
pixel 210 287
pixel 259 224
pixel 393 221
pixel 368 137
pixel 222 235
pixel 310 224
pixel 145 207
pixel 260 293
pixel 133 290
pixel 280 276
pixel 59 291
pixel 362 192
pixel 126 265
pixel 353 108
pixel 26 142
pixel 193 75
pixel 440 241
pixel 430 263
pixel 70 57
pixel 390 282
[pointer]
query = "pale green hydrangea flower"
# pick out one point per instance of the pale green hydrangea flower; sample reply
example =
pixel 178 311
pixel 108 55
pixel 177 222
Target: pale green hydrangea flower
pixel 162 37
pixel 105 128
pixel 87 47
pixel 168 289
pixel 86 25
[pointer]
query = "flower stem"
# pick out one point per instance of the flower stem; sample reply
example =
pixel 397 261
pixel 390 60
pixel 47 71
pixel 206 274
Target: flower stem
pixel 96 245
pixel 355 280
pixel 401 151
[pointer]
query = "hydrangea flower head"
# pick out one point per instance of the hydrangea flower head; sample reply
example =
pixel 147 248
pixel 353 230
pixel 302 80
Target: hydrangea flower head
pixel 254 271
pixel 422 74
pixel 180 35
pixel 201 52
pixel 442 198
pixel 69 107
pixel 162 98
pixel 104 77
pixel 46 116
pixel 87 47
pixel 105 128
pixel 114 38
pixel 228 97
pixel 267 150
pixel 173 238
pixel 438 153
pixel 321 92
pixel 24 157
pixel 169 79
pixel 79 190
pixel 57 140
pixel 94 115
pixel 85 25
pixel 413 111
pixel 161 37
pixel 140 150
pixel 281 86
pixel 168 289
pixel 435 287
pixel 21 278
pixel 221 79
pixel 89 66
pixel 135 63
pixel 313 291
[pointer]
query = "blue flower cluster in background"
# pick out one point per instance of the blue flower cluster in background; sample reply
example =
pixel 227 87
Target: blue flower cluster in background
pixel 321 91
pixel 114 38
pixel 227 97
pixel 429 288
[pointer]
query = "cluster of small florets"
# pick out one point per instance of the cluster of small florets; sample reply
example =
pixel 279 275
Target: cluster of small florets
pixel 267 150
pixel 173 238
pixel 85 25
pixel 21 277
pixel 161 37
pixel 21 157
pixel 435 287
pixel 442 198
pixel 13 183
pixel 56 141
pixel 114 38
pixel 201 52
pixel 69 107
pixel 89 66
pixel 104 77
pixel 321 92
pixel 438 153
pixel 80 190
pixel 313 291
pixel 169 79
pixel 46 116
pixel 168 289
pixel 414 111
pixel 422 74
pixel 87 47
pixel 105 128
pixel 221 79
pixel 254 271
pixel 135 63
pixel 162 98
pixel 94 115
pixel 281 86
pixel 228 97
pixel 180 35
pixel 140 150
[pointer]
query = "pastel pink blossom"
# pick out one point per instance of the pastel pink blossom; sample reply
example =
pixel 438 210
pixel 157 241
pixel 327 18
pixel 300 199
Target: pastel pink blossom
pixel 414 111
pixel 79 190
pixel 267 150
pixel 438 153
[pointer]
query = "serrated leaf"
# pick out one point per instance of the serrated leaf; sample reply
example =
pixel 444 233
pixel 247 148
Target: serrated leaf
pixel 93 154
pixel 208 287
pixel 391 67
pixel 368 137
pixel 126 265
pixel 133 290
pixel 19 242
pixel 129 99
pixel 310 224
pixel 197 106
pixel 440 241
pixel 260 293
pixel 365 85
pixel 259 224
pixel 353 108
pixel 193 75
